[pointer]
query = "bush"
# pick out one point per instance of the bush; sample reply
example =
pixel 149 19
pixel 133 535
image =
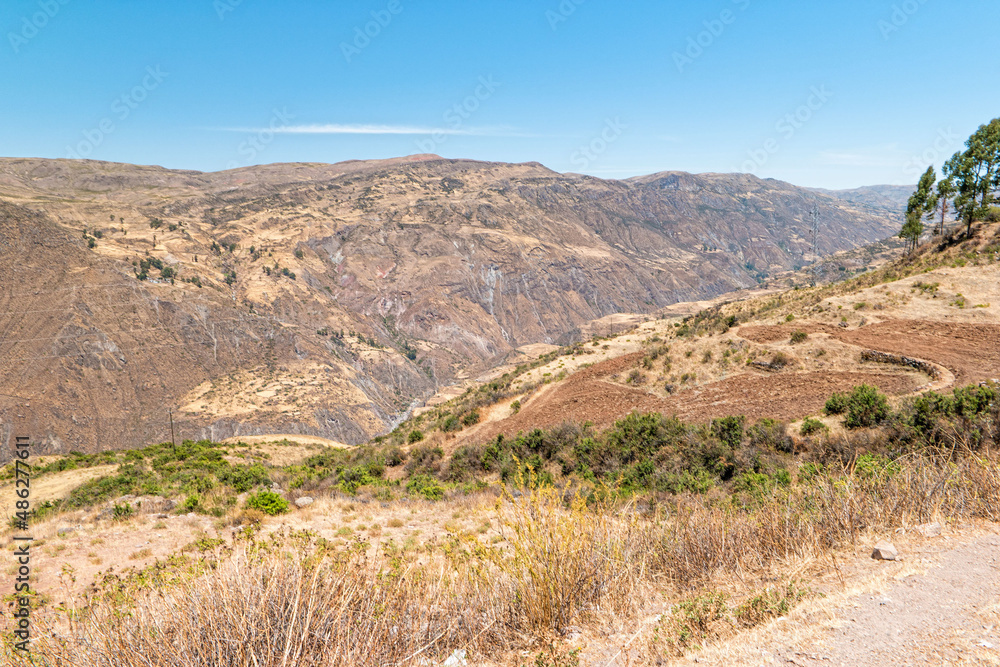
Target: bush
pixel 836 404
pixel 425 460
pixel 426 486
pixel 799 337
pixel 515 407
pixel 866 407
pixel 811 426
pixel 415 436
pixel 780 360
pixel 471 418
pixel 267 502
pixel 450 423
pixel 770 434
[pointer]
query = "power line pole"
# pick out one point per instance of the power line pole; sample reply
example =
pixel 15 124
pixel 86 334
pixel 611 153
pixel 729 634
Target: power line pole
pixel 170 415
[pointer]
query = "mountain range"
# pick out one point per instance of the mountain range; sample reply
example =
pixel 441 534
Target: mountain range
pixel 331 299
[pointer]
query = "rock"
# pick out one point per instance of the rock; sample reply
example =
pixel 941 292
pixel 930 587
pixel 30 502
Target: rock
pixel 885 551
pixel 929 529
pixel 456 659
pixel 66 530
pixel 304 501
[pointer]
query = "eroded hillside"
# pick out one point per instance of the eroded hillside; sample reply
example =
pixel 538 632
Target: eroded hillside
pixel 328 299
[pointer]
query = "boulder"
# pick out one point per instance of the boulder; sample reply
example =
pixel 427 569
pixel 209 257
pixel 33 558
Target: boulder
pixel 304 501
pixel 885 551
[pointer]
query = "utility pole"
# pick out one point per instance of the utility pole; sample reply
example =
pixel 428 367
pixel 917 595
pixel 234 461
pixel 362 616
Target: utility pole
pixel 170 415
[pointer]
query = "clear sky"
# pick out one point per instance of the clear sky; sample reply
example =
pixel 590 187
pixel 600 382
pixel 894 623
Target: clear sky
pixel 828 94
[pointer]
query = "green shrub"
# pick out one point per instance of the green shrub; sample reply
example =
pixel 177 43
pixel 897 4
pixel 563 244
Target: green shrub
pixel 267 502
pixel 515 407
pixel 866 407
pixel 426 486
pixel 729 430
pixel 450 423
pixel 811 426
pixel 470 418
pixel 836 404
pixel 799 337
pixel 415 436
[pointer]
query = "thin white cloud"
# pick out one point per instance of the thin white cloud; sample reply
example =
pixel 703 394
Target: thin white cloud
pixel 334 128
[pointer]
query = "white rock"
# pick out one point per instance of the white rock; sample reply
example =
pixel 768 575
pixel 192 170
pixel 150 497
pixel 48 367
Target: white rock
pixel 885 551
pixel 304 501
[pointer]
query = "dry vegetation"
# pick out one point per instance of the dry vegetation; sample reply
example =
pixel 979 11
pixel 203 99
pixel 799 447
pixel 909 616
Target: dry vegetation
pixel 638 543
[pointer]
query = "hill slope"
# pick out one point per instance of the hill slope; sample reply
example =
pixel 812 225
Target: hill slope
pixel 327 299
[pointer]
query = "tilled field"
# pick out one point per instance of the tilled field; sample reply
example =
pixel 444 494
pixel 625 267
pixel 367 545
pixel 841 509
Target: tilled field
pixel 970 351
pixel 590 396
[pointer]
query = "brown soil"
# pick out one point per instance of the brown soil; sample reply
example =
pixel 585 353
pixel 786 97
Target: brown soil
pixel 589 396
pixel 970 351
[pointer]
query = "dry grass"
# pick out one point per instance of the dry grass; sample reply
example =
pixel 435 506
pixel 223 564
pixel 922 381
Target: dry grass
pixel 563 559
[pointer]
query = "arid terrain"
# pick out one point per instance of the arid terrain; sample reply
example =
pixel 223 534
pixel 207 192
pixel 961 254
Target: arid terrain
pixel 331 299
pixel 797 563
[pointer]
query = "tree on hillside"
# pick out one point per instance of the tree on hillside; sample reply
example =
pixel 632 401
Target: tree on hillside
pixel 975 173
pixel 922 202
pixel 911 231
pixel 945 191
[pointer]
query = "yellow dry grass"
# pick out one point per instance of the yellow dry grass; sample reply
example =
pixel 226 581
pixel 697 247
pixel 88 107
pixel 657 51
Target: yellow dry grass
pixel 53 486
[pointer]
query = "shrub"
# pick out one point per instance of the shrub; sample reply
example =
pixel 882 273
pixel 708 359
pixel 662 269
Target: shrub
pixel 426 486
pixel 515 407
pixel 121 512
pixel 729 430
pixel 770 434
pixel 836 404
pixel 394 457
pixel 811 426
pixel 866 407
pixel 470 418
pixel 799 337
pixel 415 436
pixel 635 376
pixel 772 603
pixel 780 360
pixel 267 502
pixel 425 460
pixel 450 423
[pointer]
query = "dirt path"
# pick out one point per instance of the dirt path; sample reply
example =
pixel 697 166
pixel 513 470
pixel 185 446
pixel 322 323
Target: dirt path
pixel 940 606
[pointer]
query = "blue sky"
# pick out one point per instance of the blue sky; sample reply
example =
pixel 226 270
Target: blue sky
pixel 827 94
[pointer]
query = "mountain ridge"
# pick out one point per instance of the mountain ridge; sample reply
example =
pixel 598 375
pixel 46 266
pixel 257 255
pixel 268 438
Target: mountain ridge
pixel 371 282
